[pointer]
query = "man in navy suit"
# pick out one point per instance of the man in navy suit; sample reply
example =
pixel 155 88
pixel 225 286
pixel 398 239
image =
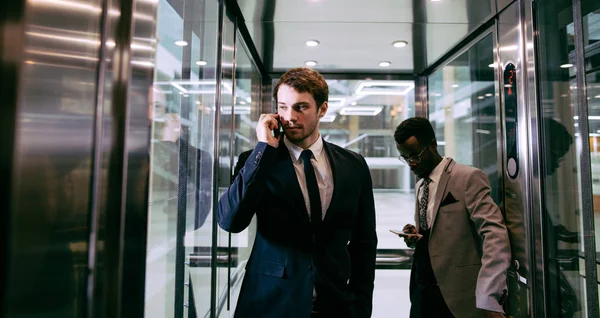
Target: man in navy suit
pixel 315 245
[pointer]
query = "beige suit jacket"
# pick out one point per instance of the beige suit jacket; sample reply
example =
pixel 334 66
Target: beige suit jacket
pixel 468 244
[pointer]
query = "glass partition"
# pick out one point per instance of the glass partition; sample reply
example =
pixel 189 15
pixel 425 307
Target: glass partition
pixel 590 16
pixel 464 113
pixel 178 272
pixel 243 119
pixel 562 194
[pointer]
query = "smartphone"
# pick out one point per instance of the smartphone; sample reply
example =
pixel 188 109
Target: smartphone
pixel 278 130
pixel 398 232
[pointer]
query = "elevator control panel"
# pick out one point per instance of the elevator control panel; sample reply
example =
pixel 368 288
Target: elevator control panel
pixel 511 120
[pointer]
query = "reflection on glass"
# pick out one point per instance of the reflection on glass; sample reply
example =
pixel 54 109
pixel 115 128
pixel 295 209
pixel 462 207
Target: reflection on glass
pixel 179 222
pixel 560 161
pixel 463 111
pixel 225 146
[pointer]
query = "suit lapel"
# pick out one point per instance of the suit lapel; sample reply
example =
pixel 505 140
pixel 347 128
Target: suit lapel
pixel 336 167
pixel 440 192
pixel 287 179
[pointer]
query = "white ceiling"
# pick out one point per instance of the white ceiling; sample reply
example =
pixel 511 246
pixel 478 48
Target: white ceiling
pixel 355 35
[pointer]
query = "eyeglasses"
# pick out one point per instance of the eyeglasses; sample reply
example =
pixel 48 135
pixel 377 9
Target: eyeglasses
pixel 414 159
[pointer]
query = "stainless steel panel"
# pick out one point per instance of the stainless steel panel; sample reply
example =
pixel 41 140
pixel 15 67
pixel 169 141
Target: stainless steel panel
pixel 54 47
pixel 535 204
pixel 80 170
pixel 513 93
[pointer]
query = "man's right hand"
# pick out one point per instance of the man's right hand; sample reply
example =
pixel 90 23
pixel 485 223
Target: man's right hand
pixel 412 239
pixel 266 124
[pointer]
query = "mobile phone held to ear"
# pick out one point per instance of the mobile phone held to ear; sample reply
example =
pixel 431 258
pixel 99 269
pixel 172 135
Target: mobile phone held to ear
pixel 278 130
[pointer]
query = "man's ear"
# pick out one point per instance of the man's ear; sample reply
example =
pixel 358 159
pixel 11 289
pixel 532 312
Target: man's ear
pixel 434 144
pixel 323 109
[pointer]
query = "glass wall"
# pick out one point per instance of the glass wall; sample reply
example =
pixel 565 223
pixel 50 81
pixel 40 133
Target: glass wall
pixel 201 104
pixel 178 269
pixel 591 43
pixel 464 112
pixel 239 125
pixel 566 174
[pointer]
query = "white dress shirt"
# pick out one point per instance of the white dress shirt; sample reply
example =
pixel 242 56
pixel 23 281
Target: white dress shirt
pixel 435 176
pixel 320 163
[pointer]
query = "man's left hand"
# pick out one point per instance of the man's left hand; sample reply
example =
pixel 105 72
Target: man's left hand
pixel 493 314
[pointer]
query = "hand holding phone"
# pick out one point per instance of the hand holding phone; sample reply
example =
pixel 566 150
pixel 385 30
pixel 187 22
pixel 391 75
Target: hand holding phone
pixel 410 235
pixel 265 128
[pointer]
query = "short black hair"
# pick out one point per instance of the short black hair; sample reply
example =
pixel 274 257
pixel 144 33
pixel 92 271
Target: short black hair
pixel 416 126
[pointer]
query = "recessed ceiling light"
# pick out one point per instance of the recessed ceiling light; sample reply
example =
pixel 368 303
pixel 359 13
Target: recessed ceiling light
pixel 400 43
pixel 489 95
pixel 455 85
pixel 201 63
pixel 492 65
pixel 310 63
pixel 181 43
pixel 385 63
pixel 312 43
pixel 353 103
pixel 566 65
pixel 480 97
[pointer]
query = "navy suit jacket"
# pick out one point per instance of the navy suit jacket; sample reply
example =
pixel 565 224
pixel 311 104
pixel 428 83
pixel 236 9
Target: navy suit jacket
pixel 288 258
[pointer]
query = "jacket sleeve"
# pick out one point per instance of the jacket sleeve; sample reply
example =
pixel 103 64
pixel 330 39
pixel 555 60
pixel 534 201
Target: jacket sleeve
pixel 496 255
pixel 238 204
pixel 363 247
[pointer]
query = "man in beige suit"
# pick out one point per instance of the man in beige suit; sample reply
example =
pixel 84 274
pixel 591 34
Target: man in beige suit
pixel 462 250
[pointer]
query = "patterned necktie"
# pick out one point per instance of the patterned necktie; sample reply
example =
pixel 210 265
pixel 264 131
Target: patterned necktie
pixel 312 187
pixel 423 205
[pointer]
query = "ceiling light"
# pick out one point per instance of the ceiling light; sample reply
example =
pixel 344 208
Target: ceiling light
pixel 181 43
pixel 400 43
pixel 385 63
pixel 354 103
pixel 597 96
pixel 201 63
pixel 566 65
pixel 336 101
pixel 489 95
pixel 312 43
pixel 361 111
pixel 455 85
pixel 328 118
pixel 492 65
pixel 436 0
pixel 480 97
pixel 310 63
pixel 384 87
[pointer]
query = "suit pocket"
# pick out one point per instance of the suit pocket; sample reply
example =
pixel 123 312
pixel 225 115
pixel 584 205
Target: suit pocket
pixel 273 269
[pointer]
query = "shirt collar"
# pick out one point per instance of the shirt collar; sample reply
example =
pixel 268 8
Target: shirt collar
pixel 436 174
pixel 295 151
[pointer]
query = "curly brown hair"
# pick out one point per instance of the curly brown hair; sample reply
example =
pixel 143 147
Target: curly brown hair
pixel 304 79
